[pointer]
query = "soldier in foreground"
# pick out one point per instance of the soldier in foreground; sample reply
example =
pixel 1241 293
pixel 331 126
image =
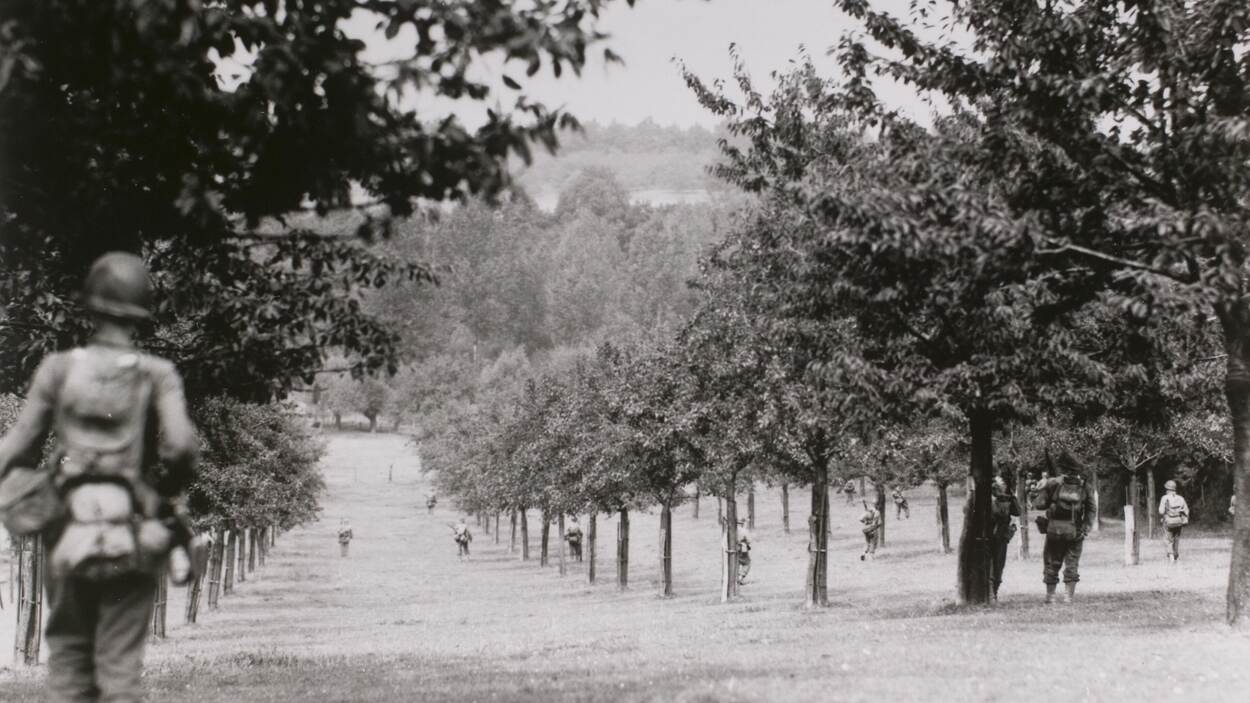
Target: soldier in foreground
pixel 102 504
pixel 1069 513
pixel 870 523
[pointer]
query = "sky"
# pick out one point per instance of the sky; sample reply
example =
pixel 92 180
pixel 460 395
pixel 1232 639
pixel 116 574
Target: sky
pixel 651 35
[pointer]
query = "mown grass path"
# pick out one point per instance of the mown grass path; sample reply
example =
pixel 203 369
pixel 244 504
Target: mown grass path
pixel 401 619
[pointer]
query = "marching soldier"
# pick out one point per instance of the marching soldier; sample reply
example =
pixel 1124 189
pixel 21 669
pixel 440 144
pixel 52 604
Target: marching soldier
pixel 871 526
pixel 573 535
pixel 1005 507
pixel 901 507
pixel 462 535
pixel 849 489
pixel 1174 512
pixel 1068 515
pixel 345 536
pixel 110 406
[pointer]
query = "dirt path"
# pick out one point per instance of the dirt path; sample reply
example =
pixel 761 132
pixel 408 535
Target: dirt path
pixel 402 619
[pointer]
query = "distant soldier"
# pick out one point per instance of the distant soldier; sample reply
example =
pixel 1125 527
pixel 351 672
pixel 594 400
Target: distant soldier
pixel 124 449
pixel 430 501
pixel 901 508
pixel 1068 515
pixel 1034 488
pixel 870 523
pixel 462 535
pixel 345 536
pixel 849 489
pixel 744 552
pixel 1003 528
pixel 573 535
pixel 1174 512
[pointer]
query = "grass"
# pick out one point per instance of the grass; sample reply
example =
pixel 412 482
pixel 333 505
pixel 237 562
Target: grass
pixel 402 619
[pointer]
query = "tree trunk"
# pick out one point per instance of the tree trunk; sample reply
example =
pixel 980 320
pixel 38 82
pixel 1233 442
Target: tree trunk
pixel 720 511
pixel 241 570
pixel 193 599
pixel 497 513
pixel 696 502
pixel 338 421
pixel 251 549
pixel 1022 495
pixel 751 507
pixel 373 423
pixel 879 486
pixel 560 539
pixel 1096 491
pixel 227 581
pixel 943 520
pixel 817 591
pixel 160 607
pixel 862 487
pixel 262 546
pixel 1152 500
pixel 729 549
pixel 1236 323
pixel 622 551
pixel 31 567
pixel 785 508
pixel 591 534
pixel 666 551
pixel 512 536
pixel 525 535
pixel 1132 537
pixel 546 533
pixel 975 554
pixel 273 536
pixel 215 559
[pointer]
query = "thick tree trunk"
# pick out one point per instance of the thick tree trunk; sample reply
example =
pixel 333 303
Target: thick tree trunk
pixel 729 549
pixel 666 551
pixel 227 581
pixel 525 535
pixel 696 502
pixel 879 486
pixel 193 599
pixel 338 421
pixel 943 520
pixel 1022 495
pixel 1236 322
pixel 29 598
pixel 273 536
pixel 1132 518
pixel 512 537
pixel 751 507
pixel 591 535
pixel 215 563
pixel 160 607
pixel 622 551
pixel 817 586
pixel 262 545
pixel 975 554
pixel 785 508
pixel 373 423
pixel 1152 500
pixel 546 535
pixel 560 539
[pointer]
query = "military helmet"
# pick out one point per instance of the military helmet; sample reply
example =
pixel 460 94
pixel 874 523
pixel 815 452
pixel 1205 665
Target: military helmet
pixel 118 286
pixel 1169 486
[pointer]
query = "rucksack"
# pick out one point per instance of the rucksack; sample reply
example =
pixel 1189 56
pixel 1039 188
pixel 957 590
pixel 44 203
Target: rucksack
pixel 1067 509
pixel 1174 513
pixel 111 526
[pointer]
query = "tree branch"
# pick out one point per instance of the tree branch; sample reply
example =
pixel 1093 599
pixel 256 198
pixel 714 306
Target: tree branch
pixel 1112 259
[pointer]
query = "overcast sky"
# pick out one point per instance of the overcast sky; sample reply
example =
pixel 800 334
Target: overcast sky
pixel 651 35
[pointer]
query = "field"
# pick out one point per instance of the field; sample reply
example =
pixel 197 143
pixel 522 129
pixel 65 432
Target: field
pixel 402 619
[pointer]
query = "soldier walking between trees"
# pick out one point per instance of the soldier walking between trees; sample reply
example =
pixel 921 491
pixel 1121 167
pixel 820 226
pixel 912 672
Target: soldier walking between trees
pixel 102 502
pixel 345 536
pixel 901 508
pixel 462 535
pixel 849 489
pixel 1174 512
pixel 1004 506
pixel 871 526
pixel 573 535
pixel 1068 515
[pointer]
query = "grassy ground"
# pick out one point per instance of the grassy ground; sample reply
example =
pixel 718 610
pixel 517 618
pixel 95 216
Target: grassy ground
pixel 402 619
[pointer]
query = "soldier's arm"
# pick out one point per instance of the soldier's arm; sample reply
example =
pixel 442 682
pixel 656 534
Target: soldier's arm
pixel 179 448
pixel 23 441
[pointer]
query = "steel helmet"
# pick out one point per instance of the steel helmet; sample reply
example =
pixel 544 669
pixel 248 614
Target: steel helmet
pixel 118 286
pixel 1169 486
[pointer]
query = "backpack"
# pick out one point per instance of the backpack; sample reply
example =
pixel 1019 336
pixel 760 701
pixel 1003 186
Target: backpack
pixel 1174 513
pixel 1067 509
pixel 111 524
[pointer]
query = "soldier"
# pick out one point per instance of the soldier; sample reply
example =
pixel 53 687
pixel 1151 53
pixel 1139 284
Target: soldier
pixel 114 411
pixel 901 507
pixel 871 526
pixel 1174 512
pixel 573 535
pixel 849 490
pixel 744 552
pixel 345 536
pixel 1069 513
pixel 462 535
pixel 430 501
pixel 1003 528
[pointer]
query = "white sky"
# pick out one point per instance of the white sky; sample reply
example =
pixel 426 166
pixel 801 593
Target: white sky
pixel 649 36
